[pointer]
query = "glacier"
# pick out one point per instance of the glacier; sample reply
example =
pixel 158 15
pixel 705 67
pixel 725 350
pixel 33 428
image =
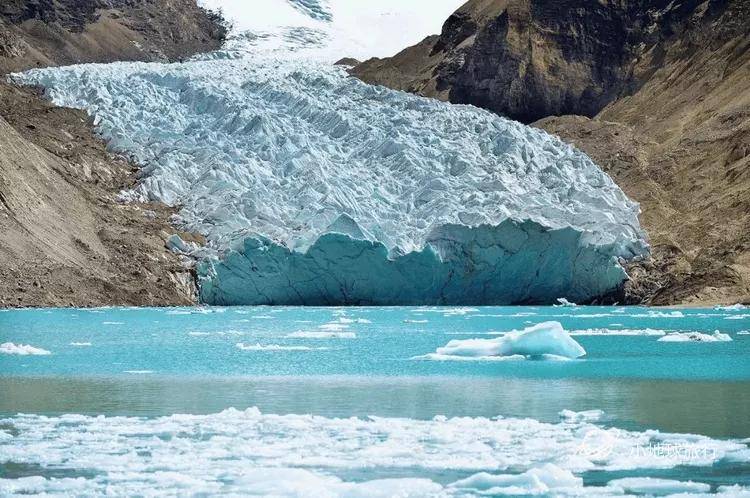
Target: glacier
pixel 313 188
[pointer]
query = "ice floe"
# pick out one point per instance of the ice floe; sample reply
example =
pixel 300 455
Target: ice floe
pixel 561 301
pixel 80 344
pixel 582 416
pixel 321 334
pixel 274 347
pixel 658 487
pixel 732 307
pixel 545 479
pixel 546 340
pixel 22 349
pixel 695 337
pixel 249 452
pixel 627 332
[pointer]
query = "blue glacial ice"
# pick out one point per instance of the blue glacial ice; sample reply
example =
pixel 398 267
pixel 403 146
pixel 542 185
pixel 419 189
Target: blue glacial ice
pixel 312 187
pixel 546 340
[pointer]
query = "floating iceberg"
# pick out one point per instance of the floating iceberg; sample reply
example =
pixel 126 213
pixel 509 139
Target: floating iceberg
pixel 314 188
pixel 695 337
pixel 545 340
pixel 22 349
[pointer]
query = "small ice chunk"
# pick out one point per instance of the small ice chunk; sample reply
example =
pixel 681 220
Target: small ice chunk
pixel 545 340
pixel 695 337
pixel 323 334
pixel 584 416
pixel 273 347
pixel 658 487
pixel 539 480
pixel 731 307
pixel 22 349
pixel 80 344
pixel 564 303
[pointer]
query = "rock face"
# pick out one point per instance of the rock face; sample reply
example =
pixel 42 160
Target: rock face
pixel 668 87
pixel 65 240
pixel 36 33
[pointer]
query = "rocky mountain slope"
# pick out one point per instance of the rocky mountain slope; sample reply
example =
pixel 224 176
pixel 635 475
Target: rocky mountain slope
pixel 66 241
pixel 661 91
pixel 36 33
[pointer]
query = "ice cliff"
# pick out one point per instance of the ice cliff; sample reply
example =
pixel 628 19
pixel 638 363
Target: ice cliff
pixel 314 188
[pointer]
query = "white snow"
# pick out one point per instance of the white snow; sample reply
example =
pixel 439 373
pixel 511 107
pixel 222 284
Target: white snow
pixel 332 29
pixel 695 337
pixel 249 452
pixel 658 487
pixel 546 340
pixel 315 188
pixel 22 349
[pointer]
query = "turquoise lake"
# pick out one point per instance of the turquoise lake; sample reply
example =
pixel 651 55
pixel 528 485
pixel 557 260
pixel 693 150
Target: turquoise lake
pixel 338 402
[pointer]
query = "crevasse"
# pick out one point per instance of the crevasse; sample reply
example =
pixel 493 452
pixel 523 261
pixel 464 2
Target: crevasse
pixel 314 188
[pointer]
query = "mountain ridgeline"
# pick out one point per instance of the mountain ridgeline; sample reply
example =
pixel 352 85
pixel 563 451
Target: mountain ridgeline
pixel 656 92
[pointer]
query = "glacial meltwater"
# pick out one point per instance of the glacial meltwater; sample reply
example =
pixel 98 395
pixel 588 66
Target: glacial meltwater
pixel 295 401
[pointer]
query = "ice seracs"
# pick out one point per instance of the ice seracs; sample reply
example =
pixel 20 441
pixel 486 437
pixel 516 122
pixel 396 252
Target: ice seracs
pixel 546 340
pixel 314 188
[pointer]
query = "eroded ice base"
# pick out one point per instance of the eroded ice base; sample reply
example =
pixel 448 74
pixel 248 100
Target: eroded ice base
pixel 509 263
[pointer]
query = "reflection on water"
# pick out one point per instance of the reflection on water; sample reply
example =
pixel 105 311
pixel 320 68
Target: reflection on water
pixel 716 409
